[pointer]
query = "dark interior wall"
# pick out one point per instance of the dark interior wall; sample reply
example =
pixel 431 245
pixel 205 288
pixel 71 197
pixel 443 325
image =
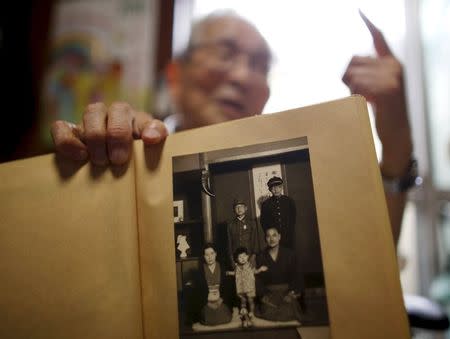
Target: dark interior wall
pixel 24 29
pixel 232 179
pixel 227 185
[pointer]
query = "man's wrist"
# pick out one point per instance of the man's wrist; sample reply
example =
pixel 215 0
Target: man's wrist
pixel 395 162
pixel 396 152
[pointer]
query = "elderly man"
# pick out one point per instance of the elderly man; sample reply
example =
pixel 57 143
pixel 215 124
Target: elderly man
pixel 223 75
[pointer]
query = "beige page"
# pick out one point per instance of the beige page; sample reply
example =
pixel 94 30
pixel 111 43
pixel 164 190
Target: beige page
pixel 68 252
pixel 361 273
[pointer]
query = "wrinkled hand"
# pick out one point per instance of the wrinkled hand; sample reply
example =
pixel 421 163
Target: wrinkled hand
pixel 106 133
pixel 380 80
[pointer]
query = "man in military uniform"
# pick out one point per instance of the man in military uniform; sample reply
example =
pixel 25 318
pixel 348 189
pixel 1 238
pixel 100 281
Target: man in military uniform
pixel 279 211
pixel 244 232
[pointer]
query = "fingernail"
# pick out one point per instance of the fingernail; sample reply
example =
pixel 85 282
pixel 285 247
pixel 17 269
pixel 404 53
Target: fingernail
pixel 119 155
pixel 151 133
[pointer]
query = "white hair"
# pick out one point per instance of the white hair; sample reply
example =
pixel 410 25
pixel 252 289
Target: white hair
pixel 200 27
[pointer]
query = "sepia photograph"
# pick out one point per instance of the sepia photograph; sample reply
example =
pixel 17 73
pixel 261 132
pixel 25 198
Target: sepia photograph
pixel 247 243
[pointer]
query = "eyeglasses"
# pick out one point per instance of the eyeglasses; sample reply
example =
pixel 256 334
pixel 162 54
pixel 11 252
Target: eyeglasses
pixel 225 54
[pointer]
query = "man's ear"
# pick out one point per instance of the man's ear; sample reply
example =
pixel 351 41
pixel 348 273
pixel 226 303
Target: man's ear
pixel 173 76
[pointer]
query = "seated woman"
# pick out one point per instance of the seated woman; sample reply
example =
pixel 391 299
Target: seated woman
pixel 278 287
pixel 210 285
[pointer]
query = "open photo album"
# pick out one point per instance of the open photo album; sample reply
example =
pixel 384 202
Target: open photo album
pixel 268 226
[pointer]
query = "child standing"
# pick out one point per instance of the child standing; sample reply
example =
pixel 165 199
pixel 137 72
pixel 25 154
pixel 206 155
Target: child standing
pixel 244 274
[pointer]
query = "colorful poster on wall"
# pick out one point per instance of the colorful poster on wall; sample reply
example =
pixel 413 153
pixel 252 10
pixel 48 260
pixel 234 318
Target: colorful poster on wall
pixel 101 50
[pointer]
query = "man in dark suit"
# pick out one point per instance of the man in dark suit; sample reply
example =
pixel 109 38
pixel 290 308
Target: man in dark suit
pixel 279 211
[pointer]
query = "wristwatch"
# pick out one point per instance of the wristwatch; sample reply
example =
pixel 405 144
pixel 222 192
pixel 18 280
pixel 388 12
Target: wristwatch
pixel 402 184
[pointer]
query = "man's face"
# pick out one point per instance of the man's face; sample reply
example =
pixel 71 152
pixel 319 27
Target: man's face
pixel 210 256
pixel 225 74
pixel 272 237
pixel 277 190
pixel 240 210
pixel 242 258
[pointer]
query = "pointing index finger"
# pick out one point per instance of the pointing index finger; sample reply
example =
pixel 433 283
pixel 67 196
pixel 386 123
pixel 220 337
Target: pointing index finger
pixel 381 46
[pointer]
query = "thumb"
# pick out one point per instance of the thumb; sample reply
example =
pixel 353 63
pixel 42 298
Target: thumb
pixel 380 44
pixel 151 131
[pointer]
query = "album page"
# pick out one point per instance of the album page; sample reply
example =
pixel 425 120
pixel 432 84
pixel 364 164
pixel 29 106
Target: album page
pixel 68 251
pixel 268 225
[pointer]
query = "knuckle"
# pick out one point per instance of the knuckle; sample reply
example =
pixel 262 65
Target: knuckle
pixel 345 75
pixel 356 59
pixel 348 78
pixel 119 133
pixel 57 125
pixel 95 107
pixel 94 136
pixel 120 106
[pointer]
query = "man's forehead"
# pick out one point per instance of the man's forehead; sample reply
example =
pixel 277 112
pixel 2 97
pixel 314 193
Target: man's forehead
pixel 235 29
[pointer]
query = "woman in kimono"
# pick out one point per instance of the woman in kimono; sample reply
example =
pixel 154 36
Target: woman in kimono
pixel 211 286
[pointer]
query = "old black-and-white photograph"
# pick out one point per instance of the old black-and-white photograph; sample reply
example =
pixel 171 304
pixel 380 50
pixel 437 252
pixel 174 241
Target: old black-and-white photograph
pixel 248 253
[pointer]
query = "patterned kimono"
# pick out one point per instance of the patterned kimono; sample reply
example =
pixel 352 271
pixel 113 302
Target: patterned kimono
pixel 215 311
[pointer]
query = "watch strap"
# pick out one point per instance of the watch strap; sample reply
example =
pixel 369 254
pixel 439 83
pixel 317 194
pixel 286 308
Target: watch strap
pixel 405 182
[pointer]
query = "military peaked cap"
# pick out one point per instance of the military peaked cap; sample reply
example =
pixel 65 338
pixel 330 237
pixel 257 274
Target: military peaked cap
pixel 239 201
pixel 274 181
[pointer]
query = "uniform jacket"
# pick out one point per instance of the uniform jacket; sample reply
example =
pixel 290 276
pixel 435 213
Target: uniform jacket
pixel 280 212
pixel 244 233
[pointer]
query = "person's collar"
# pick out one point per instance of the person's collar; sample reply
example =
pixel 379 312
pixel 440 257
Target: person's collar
pixel 211 267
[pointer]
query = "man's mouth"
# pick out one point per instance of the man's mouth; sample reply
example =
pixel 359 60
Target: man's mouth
pixel 232 108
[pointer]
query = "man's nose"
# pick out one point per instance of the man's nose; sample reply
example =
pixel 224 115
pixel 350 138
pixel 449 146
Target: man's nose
pixel 240 72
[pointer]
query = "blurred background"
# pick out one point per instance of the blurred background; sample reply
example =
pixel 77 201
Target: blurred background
pixel 58 56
